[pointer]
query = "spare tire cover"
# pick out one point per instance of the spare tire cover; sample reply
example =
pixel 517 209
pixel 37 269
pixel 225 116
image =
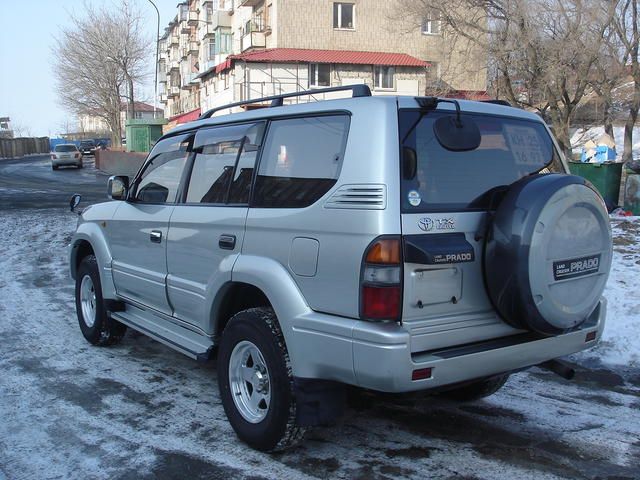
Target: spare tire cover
pixel 548 253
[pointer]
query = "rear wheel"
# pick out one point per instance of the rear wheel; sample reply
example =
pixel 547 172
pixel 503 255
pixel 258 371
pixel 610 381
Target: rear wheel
pixel 256 383
pixel 96 325
pixel 80 165
pixel 476 390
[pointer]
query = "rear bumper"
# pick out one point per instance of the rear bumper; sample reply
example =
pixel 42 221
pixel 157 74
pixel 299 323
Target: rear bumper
pixel 378 356
pixel 66 161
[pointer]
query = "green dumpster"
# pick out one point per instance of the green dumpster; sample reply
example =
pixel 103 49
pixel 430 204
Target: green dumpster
pixel 604 176
pixel 142 134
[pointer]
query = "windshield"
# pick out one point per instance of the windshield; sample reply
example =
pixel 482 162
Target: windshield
pixel 87 143
pixel 444 180
pixel 65 148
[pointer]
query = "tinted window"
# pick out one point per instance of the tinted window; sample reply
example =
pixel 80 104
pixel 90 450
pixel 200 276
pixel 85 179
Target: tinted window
pixel 301 160
pixel 161 176
pixel 446 180
pixel 66 148
pixel 223 167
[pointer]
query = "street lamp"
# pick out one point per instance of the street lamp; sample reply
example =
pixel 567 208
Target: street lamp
pixel 155 85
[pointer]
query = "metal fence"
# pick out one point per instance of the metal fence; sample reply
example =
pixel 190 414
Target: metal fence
pixel 18 147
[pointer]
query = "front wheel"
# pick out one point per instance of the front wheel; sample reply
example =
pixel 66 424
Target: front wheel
pixel 256 383
pixel 96 325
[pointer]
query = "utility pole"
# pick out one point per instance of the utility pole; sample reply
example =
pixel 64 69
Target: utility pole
pixel 155 85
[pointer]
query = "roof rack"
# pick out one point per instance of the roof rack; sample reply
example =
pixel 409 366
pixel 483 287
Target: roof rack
pixel 497 102
pixel 359 90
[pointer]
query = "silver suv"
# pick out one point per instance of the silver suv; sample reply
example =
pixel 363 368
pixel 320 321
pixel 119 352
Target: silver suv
pixel 390 243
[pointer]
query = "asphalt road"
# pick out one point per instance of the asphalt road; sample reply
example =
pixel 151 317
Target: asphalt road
pixel 31 183
pixel 140 410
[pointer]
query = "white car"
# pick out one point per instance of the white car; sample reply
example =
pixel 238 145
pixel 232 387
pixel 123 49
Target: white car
pixel 66 154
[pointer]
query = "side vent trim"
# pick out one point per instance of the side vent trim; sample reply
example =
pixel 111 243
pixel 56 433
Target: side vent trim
pixel 359 196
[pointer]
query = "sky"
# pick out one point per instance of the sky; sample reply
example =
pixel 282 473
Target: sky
pixel 27 86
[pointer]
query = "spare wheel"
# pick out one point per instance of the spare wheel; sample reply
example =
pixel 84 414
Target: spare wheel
pixel 548 253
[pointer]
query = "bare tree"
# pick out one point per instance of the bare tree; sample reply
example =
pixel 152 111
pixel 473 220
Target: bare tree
pixel 628 27
pixel 102 52
pixel 541 51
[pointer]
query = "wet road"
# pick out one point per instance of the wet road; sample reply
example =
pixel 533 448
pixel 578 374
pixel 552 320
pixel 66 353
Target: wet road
pixel 30 182
pixel 141 410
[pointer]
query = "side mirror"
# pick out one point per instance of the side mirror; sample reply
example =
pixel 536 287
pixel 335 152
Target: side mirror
pixel 118 187
pixel 409 163
pixel 74 201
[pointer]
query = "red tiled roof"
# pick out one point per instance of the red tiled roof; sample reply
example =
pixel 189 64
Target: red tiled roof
pixel 469 95
pixel 294 55
pixel 287 55
pixel 186 117
pixel 139 107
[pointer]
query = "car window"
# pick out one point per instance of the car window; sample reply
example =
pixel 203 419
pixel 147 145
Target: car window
pixel 224 162
pixel 66 148
pixel 160 178
pixel 510 148
pixel 301 160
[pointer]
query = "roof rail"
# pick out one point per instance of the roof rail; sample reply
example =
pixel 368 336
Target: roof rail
pixel 497 102
pixel 358 90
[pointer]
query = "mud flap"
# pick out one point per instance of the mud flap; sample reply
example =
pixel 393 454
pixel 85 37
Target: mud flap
pixel 318 402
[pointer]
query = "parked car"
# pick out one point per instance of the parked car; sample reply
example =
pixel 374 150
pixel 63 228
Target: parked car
pixel 391 243
pixel 66 154
pixel 88 147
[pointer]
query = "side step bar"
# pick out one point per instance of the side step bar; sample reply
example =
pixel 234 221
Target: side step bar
pixel 181 339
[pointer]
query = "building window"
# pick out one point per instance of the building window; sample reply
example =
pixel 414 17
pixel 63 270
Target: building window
pixel 208 14
pixel 383 77
pixel 431 23
pixel 225 42
pixel 211 49
pixel 319 75
pixel 344 16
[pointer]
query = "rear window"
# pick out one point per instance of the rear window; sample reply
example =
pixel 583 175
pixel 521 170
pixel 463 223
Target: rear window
pixel 444 180
pixel 65 148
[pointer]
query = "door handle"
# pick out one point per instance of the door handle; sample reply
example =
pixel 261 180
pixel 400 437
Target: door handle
pixel 155 236
pixel 227 242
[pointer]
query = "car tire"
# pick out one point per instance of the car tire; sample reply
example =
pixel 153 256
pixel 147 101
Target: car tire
pixel 79 165
pixel 253 360
pixel 97 327
pixel 476 390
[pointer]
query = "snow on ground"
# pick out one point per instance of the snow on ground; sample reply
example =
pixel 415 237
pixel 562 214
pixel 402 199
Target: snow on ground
pixel 140 410
pixel 620 343
pixel 583 135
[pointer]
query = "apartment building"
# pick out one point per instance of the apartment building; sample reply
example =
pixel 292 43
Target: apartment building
pixel 217 52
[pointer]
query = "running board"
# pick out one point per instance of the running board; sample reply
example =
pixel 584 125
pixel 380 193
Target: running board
pixel 179 338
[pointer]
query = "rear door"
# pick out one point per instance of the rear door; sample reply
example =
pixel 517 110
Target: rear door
pixel 138 231
pixel 206 232
pixel 446 197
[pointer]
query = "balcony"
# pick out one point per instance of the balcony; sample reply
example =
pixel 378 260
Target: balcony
pixel 174 40
pixel 189 80
pixel 250 3
pixel 163 98
pixel 253 40
pixel 185 28
pixel 184 52
pixel 174 91
pixel 220 18
pixel 193 19
pixel 194 47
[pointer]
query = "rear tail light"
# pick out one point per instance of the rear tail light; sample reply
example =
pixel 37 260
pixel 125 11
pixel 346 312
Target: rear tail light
pixel 381 280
